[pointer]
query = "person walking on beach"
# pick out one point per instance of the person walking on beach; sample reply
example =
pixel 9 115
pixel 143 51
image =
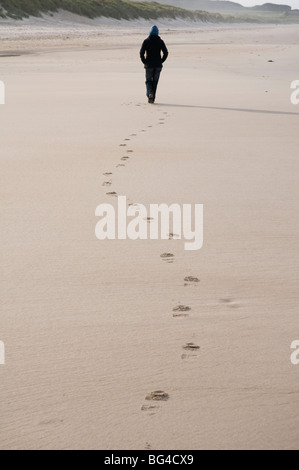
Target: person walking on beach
pixel 153 54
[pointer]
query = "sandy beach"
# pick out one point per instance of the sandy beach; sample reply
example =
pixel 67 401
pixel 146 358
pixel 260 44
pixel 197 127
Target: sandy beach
pixel 91 327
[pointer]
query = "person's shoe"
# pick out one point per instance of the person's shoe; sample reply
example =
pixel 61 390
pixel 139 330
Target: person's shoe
pixel 151 98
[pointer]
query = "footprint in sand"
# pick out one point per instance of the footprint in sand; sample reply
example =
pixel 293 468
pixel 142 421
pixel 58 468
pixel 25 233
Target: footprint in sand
pixel 108 173
pixel 173 236
pixel 181 308
pixel 120 164
pixel 150 409
pixel 147 446
pixel 230 303
pixel 167 257
pixel 226 301
pixel 122 145
pixel 156 396
pixel 130 151
pixel 125 158
pixel 127 140
pixel 180 311
pixel 107 183
pixel 133 135
pixel 191 349
pixel 112 193
pixel 191 280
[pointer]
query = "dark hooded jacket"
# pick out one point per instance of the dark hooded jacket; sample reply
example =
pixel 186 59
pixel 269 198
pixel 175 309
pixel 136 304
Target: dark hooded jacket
pixel 150 52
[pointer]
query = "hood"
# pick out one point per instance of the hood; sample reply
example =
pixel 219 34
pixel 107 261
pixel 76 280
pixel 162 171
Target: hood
pixel 154 31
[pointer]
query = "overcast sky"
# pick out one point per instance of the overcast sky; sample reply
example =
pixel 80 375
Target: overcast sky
pixel 252 3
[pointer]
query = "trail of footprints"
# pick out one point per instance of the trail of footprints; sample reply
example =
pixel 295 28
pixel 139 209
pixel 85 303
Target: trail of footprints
pixel 189 349
pixel 125 145
pixel 155 399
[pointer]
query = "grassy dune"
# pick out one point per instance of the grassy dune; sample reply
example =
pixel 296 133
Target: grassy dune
pixel 122 9
pixel 119 9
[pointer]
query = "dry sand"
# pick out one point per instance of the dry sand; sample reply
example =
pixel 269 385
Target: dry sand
pixel 88 325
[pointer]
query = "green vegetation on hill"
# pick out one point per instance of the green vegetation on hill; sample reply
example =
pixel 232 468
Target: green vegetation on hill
pixel 118 9
pixel 122 9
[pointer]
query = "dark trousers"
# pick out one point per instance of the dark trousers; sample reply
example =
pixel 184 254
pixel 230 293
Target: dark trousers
pixel 152 76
